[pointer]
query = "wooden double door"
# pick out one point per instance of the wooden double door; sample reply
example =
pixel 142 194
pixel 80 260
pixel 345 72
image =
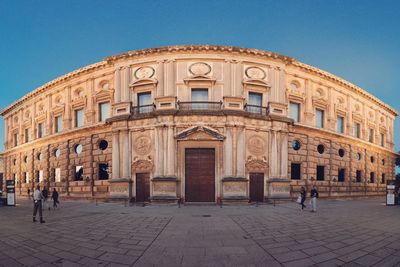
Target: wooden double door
pixel 142 187
pixel 256 187
pixel 200 174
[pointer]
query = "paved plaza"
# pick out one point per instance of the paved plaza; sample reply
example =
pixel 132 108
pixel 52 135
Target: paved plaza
pixel 342 233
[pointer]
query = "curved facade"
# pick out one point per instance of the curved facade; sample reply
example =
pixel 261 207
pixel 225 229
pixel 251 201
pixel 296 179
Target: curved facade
pixel 200 123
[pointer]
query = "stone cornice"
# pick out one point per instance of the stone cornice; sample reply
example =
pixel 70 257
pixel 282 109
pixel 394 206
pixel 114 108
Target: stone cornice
pixel 349 85
pixel 54 82
pixel 198 48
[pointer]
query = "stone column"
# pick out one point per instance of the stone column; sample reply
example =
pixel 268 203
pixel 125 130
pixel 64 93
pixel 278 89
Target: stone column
pixel 164 137
pixel 33 133
pixel 115 155
pixel 6 140
pixel 124 137
pixel 227 78
pixel 235 151
pixel 125 84
pixel 241 151
pixel 274 155
pixel 331 111
pixel 160 78
pixel 228 152
pixel 49 120
pixel 170 89
pixel 90 111
pixel 238 88
pixel 171 152
pixel 67 116
pixel 117 83
pixel 284 156
pixel 349 123
pixel 309 112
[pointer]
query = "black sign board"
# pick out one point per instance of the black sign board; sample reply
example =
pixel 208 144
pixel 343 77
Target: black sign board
pixel 10 188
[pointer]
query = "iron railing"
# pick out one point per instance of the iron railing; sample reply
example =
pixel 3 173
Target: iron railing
pixel 258 110
pixel 200 105
pixel 145 109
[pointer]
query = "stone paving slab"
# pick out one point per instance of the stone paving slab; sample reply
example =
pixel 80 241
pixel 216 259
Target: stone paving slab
pixel 341 233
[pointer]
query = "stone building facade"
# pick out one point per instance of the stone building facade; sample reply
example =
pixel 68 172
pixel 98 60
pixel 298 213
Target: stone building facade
pixel 202 124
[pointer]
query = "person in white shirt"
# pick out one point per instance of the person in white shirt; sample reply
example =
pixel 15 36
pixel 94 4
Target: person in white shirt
pixel 37 200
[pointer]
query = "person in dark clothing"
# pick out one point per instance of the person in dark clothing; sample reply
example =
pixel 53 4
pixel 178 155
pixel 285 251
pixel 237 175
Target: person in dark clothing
pixel 303 197
pixel 314 196
pixel 45 195
pixel 29 193
pixel 54 197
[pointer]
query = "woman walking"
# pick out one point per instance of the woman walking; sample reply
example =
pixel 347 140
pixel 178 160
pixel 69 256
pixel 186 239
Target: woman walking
pixel 314 196
pixel 303 197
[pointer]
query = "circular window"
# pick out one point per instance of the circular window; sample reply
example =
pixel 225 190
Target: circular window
pixel 358 156
pixel 26 159
pixel 372 159
pixel 103 144
pixel 57 152
pixel 40 156
pixel 320 149
pixel 296 145
pixel 78 149
pixel 383 161
pixel 341 152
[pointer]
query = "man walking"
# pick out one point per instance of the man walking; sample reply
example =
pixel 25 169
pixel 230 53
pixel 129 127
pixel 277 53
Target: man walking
pixel 37 200
pixel 314 196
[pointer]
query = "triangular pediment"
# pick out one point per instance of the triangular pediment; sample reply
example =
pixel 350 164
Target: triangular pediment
pixel 256 82
pixel 200 133
pixel 142 82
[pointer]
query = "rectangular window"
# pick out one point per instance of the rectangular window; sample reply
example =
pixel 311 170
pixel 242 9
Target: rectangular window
pixel 199 98
pixel 27 135
pixel 371 135
pixel 358 176
pixel 294 109
pixel 103 171
pixel 340 124
pixel 341 175
pixel 104 111
pixel 295 171
pixel 16 139
pixel 57 175
pixel 382 139
pixel 41 176
pixel 319 118
pixel 320 173
pixel 78 118
pixel 372 177
pixel 78 173
pixel 41 130
pixel 145 102
pixel 58 124
pixel 357 130
pixel 255 103
pixel 383 179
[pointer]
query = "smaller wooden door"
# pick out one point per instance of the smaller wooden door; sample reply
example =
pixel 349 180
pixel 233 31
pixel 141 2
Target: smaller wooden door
pixel 142 187
pixel 256 187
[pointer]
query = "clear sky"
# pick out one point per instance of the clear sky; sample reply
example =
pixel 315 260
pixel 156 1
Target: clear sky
pixel 356 40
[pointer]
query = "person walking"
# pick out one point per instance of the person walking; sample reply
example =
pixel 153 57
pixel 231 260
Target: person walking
pixel 54 197
pixel 303 197
pixel 314 196
pixel 45 194
pixel 37 200
pixel 29 193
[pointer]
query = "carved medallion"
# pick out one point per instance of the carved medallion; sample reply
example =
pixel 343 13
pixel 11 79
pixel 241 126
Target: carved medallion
pixel 255 73
pixel 256 145
pixel 199 68
pixel 256 165
pixel 144 72
pixel 143 145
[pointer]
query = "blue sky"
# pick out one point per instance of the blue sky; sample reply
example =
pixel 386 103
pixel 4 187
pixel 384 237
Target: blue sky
pixel 356 40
